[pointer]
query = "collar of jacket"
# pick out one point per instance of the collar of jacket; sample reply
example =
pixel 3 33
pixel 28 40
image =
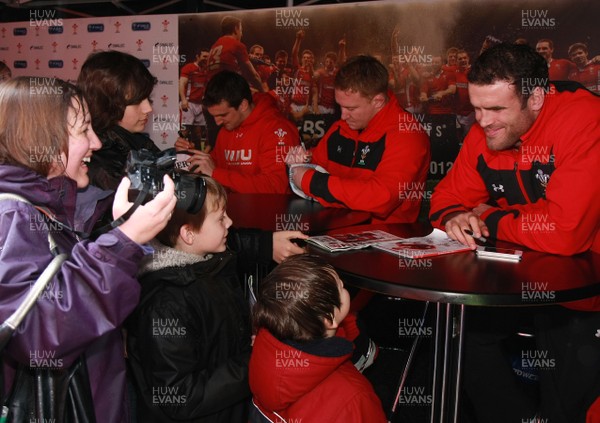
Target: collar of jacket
pixel 121 140
pixel 58 195
pixel 178 267
pixel 333 346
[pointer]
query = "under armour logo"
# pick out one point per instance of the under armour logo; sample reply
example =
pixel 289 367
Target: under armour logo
pixel 498 188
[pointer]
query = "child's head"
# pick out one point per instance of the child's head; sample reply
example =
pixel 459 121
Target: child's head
pixel 204 232
pixel 302 299
pixel 115 85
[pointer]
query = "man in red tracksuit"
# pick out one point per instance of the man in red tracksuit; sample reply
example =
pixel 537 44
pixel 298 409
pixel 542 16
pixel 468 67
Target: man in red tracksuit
pixel 586 72
pixel 528 173
pixel 558 69
pixel 254 139
pixel 229 53
pixel 376 156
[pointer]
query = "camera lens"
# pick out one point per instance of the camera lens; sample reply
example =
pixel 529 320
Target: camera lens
pixel 190 190
pixel 146 170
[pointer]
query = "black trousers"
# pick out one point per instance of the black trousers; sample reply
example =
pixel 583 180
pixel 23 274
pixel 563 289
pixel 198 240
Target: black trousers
pixel 565 354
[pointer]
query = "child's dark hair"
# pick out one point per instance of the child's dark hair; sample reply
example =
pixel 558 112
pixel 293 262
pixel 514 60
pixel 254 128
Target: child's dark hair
pixel 296 297
pixel 216 197
pixel 111 81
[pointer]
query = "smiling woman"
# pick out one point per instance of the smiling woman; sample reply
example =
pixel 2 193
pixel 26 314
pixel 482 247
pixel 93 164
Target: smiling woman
pixel 46 140
pixel 82 141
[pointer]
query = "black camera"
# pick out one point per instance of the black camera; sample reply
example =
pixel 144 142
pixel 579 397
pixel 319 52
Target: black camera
pixel 146 169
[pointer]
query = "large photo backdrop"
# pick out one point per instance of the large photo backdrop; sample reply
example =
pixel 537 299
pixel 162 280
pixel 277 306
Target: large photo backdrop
pixel 407 36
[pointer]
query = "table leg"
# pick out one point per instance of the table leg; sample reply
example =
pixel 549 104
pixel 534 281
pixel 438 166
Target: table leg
pixel 408 364
pixel 459 327
pixel 447 362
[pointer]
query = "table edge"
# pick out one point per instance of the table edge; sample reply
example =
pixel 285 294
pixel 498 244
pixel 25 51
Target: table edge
pixel 466 298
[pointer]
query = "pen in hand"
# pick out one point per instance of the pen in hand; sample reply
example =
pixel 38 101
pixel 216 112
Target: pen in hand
pixel 307 155
pixel 481 239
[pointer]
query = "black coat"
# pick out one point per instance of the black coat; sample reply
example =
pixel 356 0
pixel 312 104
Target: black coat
pixel 108 165
pixel 189 339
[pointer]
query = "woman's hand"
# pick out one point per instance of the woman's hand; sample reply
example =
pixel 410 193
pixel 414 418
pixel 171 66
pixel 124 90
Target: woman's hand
pixel 148 219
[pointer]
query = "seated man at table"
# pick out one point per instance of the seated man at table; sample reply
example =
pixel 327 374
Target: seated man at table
pixel 249 154
pixel 376 156
pixel 527 173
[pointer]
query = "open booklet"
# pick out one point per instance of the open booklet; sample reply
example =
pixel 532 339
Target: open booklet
pixel 351 241
pixel 298 190
pixel 434 244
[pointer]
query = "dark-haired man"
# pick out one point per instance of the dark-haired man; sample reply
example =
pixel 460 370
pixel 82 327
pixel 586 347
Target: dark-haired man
pixel 249 155
pixel 586 72
pixel 532 156
pixel 558 69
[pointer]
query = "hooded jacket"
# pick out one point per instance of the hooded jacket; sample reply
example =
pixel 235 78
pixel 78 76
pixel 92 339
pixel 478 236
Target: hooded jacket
pixel 189 339
pixel 83 306
pixel 381 169
pixel 312 383
pixel 251 158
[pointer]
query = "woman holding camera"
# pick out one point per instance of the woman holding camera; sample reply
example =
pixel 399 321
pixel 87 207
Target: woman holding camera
pixel 117 87
pixel 46 142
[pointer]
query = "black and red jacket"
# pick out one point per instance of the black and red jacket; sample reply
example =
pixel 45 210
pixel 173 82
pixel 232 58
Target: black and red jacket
pixel 544 194
pixel 381 169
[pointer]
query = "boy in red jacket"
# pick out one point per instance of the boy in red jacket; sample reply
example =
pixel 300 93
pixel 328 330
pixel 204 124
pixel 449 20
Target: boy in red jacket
pixel 301 354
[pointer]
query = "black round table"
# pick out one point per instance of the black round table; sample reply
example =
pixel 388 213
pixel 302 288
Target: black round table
pixel 464 278
pixel 456 280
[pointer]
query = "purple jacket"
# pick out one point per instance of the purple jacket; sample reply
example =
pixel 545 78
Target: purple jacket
pixel 82 308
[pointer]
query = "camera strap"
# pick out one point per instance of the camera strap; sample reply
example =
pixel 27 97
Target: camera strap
pixel 117 222
pixel 96 233
pixel 8 327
